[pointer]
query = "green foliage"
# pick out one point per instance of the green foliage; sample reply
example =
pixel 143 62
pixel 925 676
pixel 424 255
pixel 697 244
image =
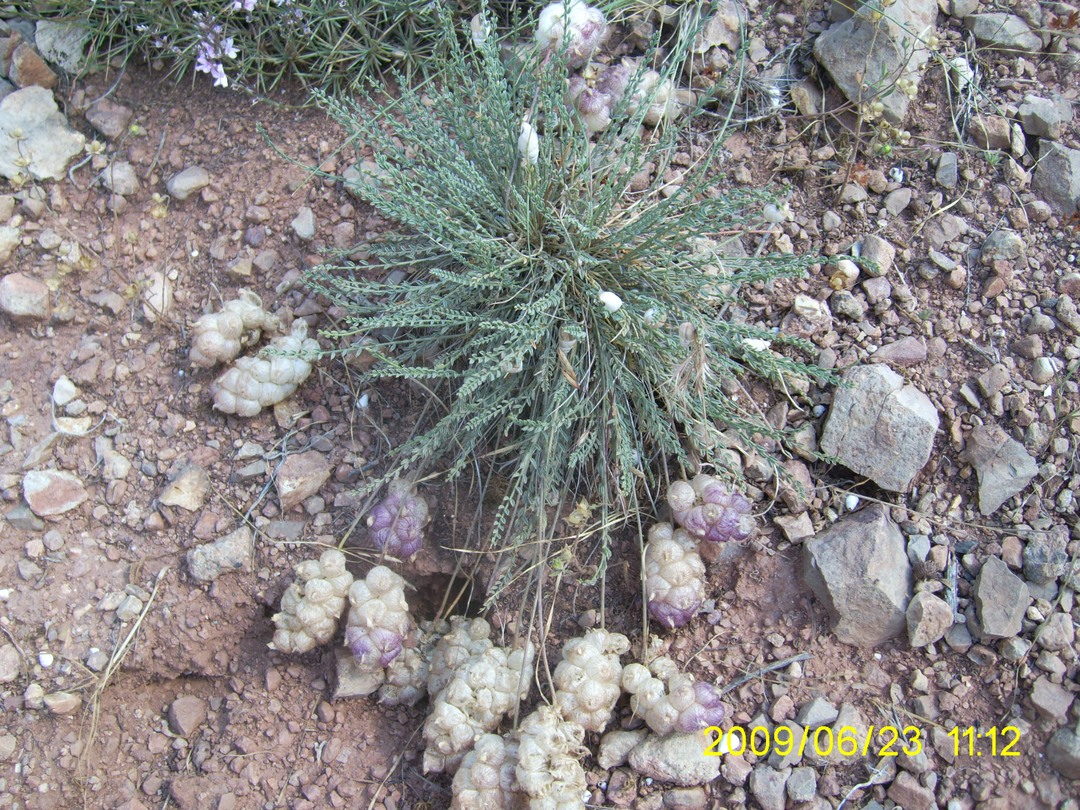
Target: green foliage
pixel 505 262
pixel 331 44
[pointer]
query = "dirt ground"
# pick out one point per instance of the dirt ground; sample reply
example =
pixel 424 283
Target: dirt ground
pixel 264 731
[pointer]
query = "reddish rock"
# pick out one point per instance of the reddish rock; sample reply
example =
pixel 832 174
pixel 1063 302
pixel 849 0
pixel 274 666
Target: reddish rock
pixel 27 68
pixel 300 477
pixel 23 297
pixel 52 492
pixel 186 714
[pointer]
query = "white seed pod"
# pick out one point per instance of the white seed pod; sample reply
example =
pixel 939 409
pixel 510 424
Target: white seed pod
pixel 486 778
pixel 549 761
pixel 312 604
pixel 674 575
pixel 482 691
pixel 254 383
pixel 379 622
pixel 659 93
pixel 588 681
pixel 219 336
pixel 669 700
pixel 465 639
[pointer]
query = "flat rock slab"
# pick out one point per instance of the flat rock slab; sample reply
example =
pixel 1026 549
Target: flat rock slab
pixel 52 492
pixel 881 427
pixel 858 568
pixel 1057 176
pixel 233 552
pixel 1002 464
pixel 1001 598
pixel 33 129
pixel 858 48
pixel 677 758
pixel 1002 31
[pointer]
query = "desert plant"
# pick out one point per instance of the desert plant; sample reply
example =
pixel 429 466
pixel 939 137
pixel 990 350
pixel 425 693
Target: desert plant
pixel 569 307
pixel 256 43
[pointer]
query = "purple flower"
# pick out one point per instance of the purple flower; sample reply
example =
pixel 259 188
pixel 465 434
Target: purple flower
pixel 243 5
pixel 227 49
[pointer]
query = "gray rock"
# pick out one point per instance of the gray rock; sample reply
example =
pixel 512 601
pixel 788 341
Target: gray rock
pixel 767 786
pixel 1051 700
pixel 187 489
pixel 1002 244
pixel 1005 32
pixel 909 794
pixel 1001 598
pixel 928 619
pixel 31 126
pixel 896 202
pixel 817 712
pixel 1015 648
pixel 233 552
pixel 10 663
pixel 1057 177
pixel 878 255
pixel 615 747
pixel 1045 555
pixel 10 238
pixel 861 47
pixel 843 303
pixel 1030 347
pixel 1067 313
pixel 190 181
pixel 947 174
pixel 1045 117
pixel 120 178
pixel 24 298
pixel 303 224
pixel 20 517
pixel 1002 464
pixel 129 608
pixel 908 351
pixel 807 317
pixel 109 118
pixel 802 785
pixel 859 570
pixel 8 744
pixel 830 221
pixel 186 714
pixel 676 758
pixel 53 492
pixel 300 476
pixel 853 193
pixel 1057 633
pixel 880 427
pixel 877 289
pixel 63 44
pixel 1063 753
pixel 692 798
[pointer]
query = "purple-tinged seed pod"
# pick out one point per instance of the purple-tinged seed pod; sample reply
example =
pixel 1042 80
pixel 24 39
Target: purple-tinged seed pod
pixel 716 512
pixel 397 521
pixel 613 81
pixel 707 710
pixel 674 575
pixel 373 646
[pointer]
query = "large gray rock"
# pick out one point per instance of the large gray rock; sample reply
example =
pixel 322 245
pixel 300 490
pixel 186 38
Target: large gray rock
pixel 1005 32
pixel 880 427
pixel 858 568
pixel 929 617
pixel 1046 556
pixel 1063 753
pixel 1057 176
pixel 1002 464
pixel 858 50
pixel 63 44
pixel 677 758
pixel 33 129
pixel 24 298
pixel 1001 598
pixel 233 552
pixel 1045 117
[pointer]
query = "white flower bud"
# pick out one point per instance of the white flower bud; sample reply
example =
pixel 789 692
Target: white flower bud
pixel 528 144
pixel 612 303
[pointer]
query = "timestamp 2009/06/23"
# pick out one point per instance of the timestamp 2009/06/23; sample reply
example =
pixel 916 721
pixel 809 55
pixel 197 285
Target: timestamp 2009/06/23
pixel 849 741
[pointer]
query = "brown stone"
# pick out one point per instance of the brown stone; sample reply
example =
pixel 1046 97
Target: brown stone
pixel 52 492
pixel 27 68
